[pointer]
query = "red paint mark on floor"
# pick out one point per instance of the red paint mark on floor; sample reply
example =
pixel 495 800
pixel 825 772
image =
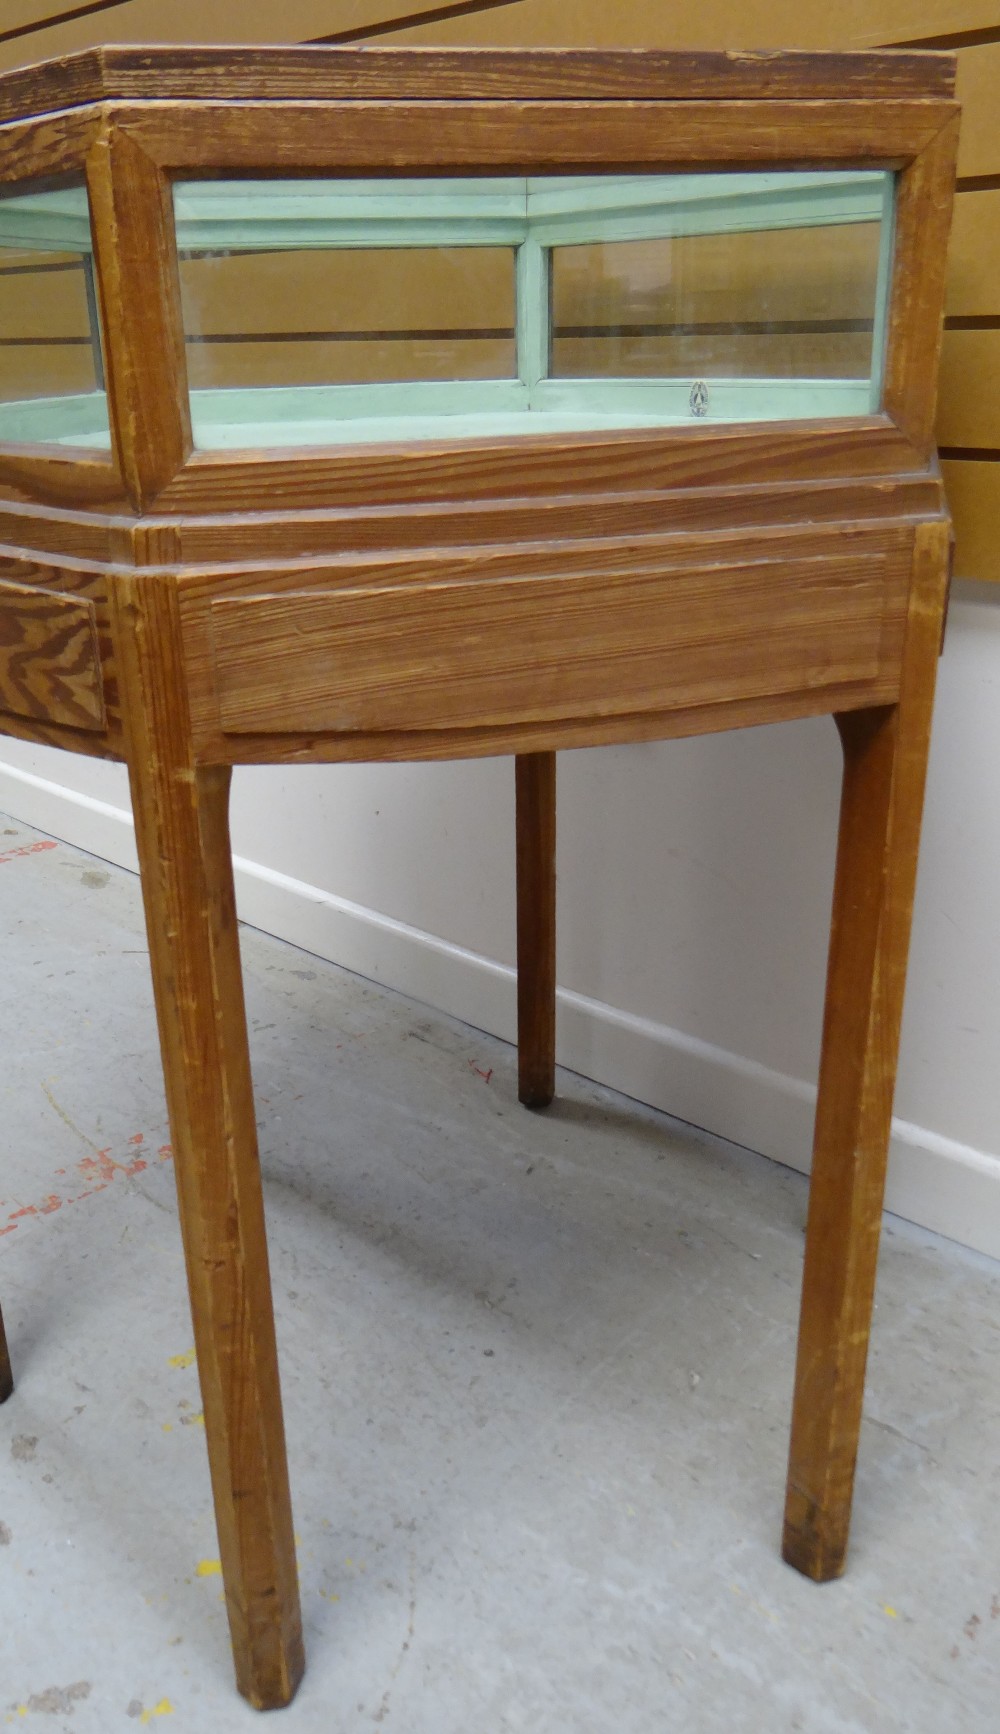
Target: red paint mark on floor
pixel 486 1076
pixel 28 849
pixel 98 1171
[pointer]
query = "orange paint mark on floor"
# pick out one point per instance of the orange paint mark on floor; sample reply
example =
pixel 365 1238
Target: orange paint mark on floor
pixel 28 849
pixel 100 1170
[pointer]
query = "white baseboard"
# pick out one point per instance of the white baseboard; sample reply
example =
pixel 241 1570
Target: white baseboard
pixel 934 1181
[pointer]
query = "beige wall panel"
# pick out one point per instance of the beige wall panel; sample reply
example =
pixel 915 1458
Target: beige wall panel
pixel 978 90
pixel 383 289
pixel 712 24
pixel 785 356
pixel 148 21
pixel 43 303
pixel 39 371
pixel 969 403
pixel 974 256
pixel 260 364
pixel 798 275
pixel 974 497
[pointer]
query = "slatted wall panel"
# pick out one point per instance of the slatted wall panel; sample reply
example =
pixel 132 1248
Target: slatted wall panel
pixel 969 421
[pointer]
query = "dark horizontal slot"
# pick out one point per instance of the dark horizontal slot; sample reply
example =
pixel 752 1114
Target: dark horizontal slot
pixel 39 270
pixel 973 322
pixel 454 334
pixel 55 18
pixel 432 15
pixel 970 454
pixel 951 39
pixel 46 342
pixel 977 183
pixel 722 328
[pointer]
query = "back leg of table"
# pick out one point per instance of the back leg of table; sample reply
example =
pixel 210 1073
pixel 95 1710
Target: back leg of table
pixel 535 787
pixel 885 756
pixel 6 1376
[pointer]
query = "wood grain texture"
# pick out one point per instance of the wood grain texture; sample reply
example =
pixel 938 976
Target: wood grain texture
pixel 885 758
pixel 355 75
pixel 51 145
pixel 528 137
pixel 49 659
pixel 74 477
pixel 535 801
pixel 279 536
pixel 135 263
pixel 974 499
pixel 924 199
pixel 493 651
pixel 536 466
pixel 186 870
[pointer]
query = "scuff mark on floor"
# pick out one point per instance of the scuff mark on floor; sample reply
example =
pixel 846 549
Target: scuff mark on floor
pixel 98 1171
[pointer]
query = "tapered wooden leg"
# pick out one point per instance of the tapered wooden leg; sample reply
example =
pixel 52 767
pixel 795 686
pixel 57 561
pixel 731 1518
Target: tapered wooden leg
pixel 885 755
pixel 181 814
pixel 6 1376
pixel 535 784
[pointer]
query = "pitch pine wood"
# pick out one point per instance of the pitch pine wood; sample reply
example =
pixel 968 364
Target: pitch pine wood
pixel 924 202
pixel 142 329
pixel 885 760
pixel 49 658
pixel 346 74
pixel 186 870
pixel 506 650
pixel 541 135
pixel 238 581
pixel 535 796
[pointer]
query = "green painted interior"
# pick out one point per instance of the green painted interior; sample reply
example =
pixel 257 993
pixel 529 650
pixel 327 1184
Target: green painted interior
pixel 532 214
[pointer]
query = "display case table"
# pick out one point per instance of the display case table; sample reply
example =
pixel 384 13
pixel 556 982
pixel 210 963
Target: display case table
pixel 379 405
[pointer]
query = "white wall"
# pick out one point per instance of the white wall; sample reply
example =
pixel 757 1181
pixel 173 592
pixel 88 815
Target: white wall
pixel 694 894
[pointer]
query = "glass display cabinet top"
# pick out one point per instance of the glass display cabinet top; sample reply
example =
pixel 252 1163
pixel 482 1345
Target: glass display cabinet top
pixel 324 312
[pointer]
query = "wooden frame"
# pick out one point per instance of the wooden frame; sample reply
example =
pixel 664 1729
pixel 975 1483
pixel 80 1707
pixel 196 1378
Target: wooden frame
pixel 190 610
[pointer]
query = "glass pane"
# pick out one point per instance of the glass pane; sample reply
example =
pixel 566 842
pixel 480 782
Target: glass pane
pixel 51 371
pixel 319 312
pixel 348 316
pixel 781 303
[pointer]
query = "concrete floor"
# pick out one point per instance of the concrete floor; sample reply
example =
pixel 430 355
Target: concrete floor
pixel 537 1373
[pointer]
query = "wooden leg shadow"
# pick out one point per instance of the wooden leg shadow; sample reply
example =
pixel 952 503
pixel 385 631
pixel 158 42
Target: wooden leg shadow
pixel 885 756
pixel 535 786
pixel 181 813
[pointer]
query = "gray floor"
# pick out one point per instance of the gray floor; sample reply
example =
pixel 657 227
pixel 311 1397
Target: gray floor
pixel 537 1372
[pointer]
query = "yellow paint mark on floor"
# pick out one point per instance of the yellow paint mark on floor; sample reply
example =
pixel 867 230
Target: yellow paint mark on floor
pixel 194 1420
pixel 163 1708
pixel 168 1426
pixel 886 1609
pixel 185 1360
pixel 208 1568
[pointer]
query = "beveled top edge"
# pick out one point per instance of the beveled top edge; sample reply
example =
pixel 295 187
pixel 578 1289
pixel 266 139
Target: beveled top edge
pixel 283 73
